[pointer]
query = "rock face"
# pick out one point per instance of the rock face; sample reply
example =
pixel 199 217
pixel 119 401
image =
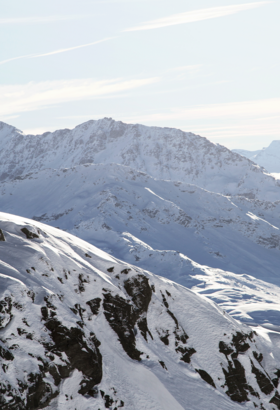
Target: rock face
pixel 84 332
pixel 163 153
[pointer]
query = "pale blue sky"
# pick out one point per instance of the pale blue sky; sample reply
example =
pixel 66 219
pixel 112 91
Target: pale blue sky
pixel 209 67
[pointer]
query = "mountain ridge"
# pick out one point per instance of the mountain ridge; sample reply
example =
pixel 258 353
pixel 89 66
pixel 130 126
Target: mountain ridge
pixel 81 329
pixel 268 158
pixel 163 153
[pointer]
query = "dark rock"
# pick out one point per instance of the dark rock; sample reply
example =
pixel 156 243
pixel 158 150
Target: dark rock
pixel 263 381
pixel 6 354
pixel 110 269
pixel 239 341
pixel 29 234
pixel 275 381
pixel 143 327
pixel 258 357
pixel 174 318
pixel 82 281
pixel 125 271
pixel 122 318
pixel 5 312
pixel 87 255
pixel 276 400
pixel 236 382
pixel 165 339
pixel 206 377
pixel 108 401
pixel 79 310
pixel 225 349
pixel 162 364
pixel 164 300
pixel 140 291
pixel 40 393
pixel 2 237
pixel 186 353
pixel 82 354
pixel 94 305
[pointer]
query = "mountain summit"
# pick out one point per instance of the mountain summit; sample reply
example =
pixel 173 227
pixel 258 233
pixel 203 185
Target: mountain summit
pixel 163 153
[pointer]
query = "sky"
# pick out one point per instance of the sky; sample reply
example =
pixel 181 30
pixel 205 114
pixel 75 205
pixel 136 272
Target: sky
pixel 208 67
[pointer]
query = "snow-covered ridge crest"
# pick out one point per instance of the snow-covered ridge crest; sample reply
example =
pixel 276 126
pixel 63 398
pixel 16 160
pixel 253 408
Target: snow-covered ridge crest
pixel 81 329
pixel 268 157
pixel 164 153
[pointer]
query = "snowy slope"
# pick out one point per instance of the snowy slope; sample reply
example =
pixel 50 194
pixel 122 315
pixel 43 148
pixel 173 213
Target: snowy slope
pixel 248 154
pixel 81 329
pixel 268 158
pixel 163 153
pixel 195 237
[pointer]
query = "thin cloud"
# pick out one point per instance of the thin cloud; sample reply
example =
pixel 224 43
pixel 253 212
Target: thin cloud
pixel 38 19
pixel 197 15
pixel 235 110
pixel 220 122
pixel 15 99
pixel 62 50
pixel 15 58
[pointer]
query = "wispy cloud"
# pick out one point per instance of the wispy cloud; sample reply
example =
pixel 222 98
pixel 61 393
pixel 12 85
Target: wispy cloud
pixel 15 99
pixel 61 50
pixel 233 110
pixel 15 58
pixel 197 15
pixel 221 122
pixel 38 19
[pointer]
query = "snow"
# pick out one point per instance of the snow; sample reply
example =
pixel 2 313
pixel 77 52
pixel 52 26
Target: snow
pixel 268 158
pixel 163 201
pixel 171 228
pixel 140 385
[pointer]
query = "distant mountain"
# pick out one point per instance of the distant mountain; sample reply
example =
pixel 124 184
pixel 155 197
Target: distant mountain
pixel 163 153
pixel 83 330
pixel 268 158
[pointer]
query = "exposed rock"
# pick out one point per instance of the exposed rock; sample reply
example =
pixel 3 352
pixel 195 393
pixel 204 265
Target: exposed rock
pixel 94 305
pixel 29 234
pixel 122 317
pixel 2 237
pixel 206 377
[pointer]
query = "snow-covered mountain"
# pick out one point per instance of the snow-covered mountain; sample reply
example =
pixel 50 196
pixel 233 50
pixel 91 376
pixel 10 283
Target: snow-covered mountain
pixel 83 330
pixel 185 233
pixel 80 328
pixel 196 237
pixel 163 153
pixel 268 158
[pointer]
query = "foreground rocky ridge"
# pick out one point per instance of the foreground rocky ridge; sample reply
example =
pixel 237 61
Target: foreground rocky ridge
pixel 80 329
